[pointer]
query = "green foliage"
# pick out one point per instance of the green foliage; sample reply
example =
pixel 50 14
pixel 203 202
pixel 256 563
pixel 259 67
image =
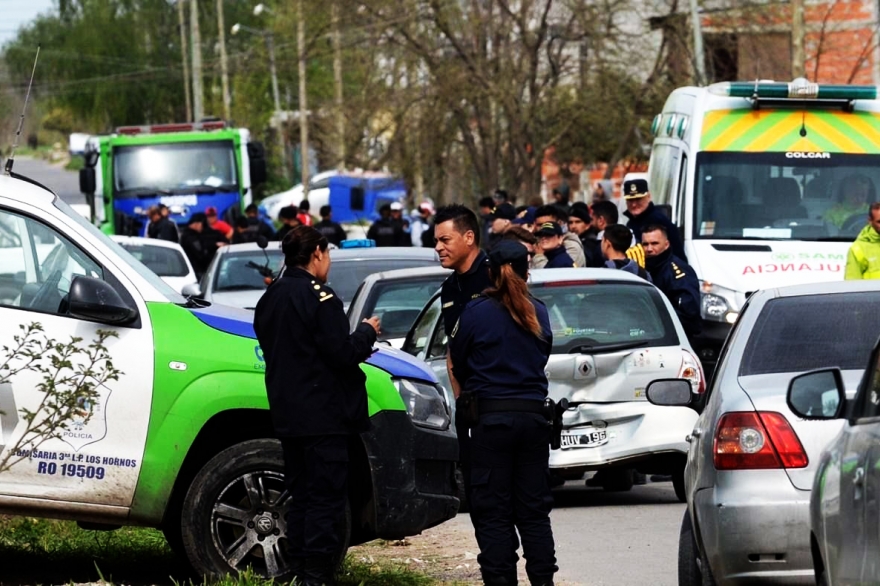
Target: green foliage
pixel 41 551
pixel 70 375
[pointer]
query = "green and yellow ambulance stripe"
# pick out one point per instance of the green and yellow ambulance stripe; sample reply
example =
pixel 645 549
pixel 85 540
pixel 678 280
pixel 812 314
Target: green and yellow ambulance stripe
pixel 779 131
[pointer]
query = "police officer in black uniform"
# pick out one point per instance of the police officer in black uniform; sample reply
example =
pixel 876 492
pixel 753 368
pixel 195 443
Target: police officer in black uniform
pixel 499 350
pixel 317 398
pixel 457 236
pixel 673 276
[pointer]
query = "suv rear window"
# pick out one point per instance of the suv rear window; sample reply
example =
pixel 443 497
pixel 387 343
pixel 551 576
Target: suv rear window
pixel 605 314
pixel 796 334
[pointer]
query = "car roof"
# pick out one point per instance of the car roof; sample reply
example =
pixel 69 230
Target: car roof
pixel 541 276
pixel 141 241
pixel 24 191
pixel 826 288
pixel 390 252
pixel 411 273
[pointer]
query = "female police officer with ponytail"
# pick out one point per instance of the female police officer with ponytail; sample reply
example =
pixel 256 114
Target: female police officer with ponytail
pixel 317 398
pixel 499 349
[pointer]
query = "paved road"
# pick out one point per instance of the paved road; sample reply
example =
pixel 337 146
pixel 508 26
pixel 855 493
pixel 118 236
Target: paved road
pixel 62 182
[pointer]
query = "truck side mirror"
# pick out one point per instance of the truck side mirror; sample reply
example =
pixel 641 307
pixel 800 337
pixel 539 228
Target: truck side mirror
pixel 356 199
pixel 257 155
pixel 87 180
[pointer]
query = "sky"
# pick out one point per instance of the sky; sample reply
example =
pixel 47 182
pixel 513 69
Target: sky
pixel 15 13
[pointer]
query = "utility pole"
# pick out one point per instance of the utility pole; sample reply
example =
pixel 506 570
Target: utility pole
pixel 798 67
pixel 224 65
pixel 276 97
pixel 198 95
pixel 337 81
pixel 183 55
pixel 303 105
pixel 699 57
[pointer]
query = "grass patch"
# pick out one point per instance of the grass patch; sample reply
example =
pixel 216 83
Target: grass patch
pixel 48 552
pixel 75 164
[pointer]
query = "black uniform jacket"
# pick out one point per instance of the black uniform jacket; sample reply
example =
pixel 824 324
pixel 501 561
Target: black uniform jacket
pixel 313 378
pixel 459 290
pixel 652 216
pixel 679 283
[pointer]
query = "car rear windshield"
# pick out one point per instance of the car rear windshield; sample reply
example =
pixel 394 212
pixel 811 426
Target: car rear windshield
pixel 796 334
pixel 592 316
pixel 346 275
pixel 165 262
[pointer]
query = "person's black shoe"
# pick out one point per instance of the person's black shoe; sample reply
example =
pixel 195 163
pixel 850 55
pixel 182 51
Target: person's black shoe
pixel 595 480
pixel 661 478
pixel 319 570
pixel 639 478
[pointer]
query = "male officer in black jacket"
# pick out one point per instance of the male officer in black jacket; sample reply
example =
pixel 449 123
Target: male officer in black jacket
pixel 317 398
pixel 674 277
pixel 642 213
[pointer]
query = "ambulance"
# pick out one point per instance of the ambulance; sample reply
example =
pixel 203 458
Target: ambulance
pixel 769 184
pixel 182 440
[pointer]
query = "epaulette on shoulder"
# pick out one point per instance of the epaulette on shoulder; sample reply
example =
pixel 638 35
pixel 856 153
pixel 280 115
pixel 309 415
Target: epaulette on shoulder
pixel 321 292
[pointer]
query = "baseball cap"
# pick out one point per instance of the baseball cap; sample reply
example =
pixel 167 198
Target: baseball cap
pixel 427 207
pixel 510 252
pixel 396 206
pixel 526 217
pixel 211 211
pixel 549 229
pixel 504 211
pixel 635 188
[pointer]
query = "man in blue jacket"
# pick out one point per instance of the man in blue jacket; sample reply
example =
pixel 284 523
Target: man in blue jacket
pixel 642 213
pixel 550 243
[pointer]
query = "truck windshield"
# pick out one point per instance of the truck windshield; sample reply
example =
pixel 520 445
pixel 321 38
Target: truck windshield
pixel 176 168
pixel 784 196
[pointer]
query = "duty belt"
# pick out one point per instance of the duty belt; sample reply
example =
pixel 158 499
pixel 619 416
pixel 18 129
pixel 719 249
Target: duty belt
pixel 511 406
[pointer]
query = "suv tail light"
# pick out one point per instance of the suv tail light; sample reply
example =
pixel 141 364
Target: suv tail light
pixel 754 440
pixel 692 371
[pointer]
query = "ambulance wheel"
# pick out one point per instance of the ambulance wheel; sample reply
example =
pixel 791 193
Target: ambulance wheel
pixel 234 513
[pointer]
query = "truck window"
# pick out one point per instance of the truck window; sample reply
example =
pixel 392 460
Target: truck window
pixel 664 170
pixel 779 196
pixel 175 168
pixel 38 265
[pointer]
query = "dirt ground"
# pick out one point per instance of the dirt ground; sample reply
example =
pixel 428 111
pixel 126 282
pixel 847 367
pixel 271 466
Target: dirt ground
pixel 447 553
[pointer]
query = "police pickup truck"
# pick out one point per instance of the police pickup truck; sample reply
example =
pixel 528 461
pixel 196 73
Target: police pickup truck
pixel 182 441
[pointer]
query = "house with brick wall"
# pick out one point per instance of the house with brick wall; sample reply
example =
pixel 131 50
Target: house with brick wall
pixel 753 40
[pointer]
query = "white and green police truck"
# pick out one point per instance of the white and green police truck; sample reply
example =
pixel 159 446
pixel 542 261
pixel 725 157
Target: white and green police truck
pixel 182 441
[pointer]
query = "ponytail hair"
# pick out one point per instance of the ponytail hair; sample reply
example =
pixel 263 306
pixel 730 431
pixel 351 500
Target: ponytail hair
pixel 300 243
pixel 512 292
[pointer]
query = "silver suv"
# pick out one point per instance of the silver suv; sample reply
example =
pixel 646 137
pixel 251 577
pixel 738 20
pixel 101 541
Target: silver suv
pixel 751 461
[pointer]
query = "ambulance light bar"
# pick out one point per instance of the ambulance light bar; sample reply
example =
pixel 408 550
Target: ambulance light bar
pixel 798 89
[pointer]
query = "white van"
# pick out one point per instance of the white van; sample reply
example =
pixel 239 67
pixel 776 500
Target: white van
pixel 769 184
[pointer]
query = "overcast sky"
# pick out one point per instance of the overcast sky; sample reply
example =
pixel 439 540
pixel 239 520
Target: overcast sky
pixel 14 13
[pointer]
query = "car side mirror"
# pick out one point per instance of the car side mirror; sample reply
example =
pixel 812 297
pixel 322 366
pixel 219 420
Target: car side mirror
pixel 670 392
pixel 191 290
pixel 818 395
pixel 97 300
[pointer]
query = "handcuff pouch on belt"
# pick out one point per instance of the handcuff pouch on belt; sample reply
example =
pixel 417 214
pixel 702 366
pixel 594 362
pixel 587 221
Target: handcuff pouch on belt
pixel 467 409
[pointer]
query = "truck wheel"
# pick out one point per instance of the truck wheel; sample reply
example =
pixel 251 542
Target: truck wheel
pixel 234 513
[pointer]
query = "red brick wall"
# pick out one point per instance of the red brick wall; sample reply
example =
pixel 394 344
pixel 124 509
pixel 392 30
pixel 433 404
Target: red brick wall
pixel 839 43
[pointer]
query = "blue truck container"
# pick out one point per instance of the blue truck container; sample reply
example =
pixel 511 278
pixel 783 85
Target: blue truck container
pixel 355 198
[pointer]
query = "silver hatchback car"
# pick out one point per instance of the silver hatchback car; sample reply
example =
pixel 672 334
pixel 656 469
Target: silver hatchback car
pixel 752 460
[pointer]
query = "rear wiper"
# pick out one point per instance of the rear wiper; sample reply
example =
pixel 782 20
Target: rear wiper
pixel 604 348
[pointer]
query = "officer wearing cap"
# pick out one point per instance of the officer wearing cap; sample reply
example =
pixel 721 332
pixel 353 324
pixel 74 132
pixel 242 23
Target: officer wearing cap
pixel 550 243
pixel 387 232
pixel 317 398
pixel 509 429
pixel 500 220
pixel 642 212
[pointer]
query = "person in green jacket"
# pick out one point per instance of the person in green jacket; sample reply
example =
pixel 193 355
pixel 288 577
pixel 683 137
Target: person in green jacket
pixel 863 259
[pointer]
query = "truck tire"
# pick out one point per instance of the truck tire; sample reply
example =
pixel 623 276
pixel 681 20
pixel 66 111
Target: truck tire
pixel 234 513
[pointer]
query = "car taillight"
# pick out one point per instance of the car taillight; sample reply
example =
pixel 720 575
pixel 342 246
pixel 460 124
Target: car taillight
pixel 757 440
pixel 692 371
